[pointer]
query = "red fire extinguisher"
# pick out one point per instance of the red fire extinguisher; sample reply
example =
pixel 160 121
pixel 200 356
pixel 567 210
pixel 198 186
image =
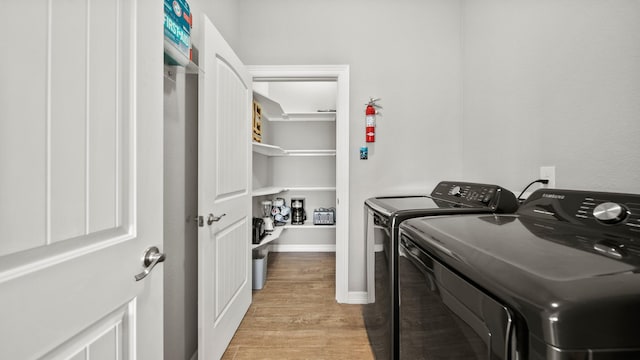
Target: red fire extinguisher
pixel 370 119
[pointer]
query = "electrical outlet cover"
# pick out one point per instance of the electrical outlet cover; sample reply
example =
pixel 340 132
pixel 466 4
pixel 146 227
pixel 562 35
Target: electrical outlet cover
pixel 548 172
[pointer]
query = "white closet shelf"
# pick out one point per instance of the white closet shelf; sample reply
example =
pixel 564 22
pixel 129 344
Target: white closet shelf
pixel 311 188
pixel 270 190
pixel 309 225
pixel 273 150
pixel 270 108
pixel 272 111
pixel 274 235
pixel 192 68
pixel 268 150
pixel 318 116
pixel 277 231
pixel 327 152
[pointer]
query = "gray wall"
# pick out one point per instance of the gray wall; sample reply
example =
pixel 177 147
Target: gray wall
pixel 484 91
pixel 223 14
pixel 552 82
pixel 408 53
pixel 180 204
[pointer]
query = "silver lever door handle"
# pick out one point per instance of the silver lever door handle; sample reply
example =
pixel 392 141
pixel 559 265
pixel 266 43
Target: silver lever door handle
pixel 152 256
pixel 211 219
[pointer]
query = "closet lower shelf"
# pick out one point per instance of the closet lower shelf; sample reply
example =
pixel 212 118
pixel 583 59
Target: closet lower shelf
pixel 277 231
pixel 309 225
pixel 274 235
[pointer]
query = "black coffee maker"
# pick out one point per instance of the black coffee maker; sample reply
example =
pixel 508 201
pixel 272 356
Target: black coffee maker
pixel 298 215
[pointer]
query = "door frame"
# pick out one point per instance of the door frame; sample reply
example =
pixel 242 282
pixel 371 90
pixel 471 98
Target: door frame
pixel 339 73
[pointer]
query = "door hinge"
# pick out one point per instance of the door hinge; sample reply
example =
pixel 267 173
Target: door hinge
pixel 199 220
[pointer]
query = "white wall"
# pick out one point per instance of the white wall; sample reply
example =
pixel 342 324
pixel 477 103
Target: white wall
pixel 408 53
pixel 223 14
pixel 551 82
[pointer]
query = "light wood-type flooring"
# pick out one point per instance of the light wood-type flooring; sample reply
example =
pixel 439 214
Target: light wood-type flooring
pixel 295 315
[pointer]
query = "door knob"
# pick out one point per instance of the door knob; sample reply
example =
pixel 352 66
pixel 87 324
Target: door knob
pixel 151 257
pixel 211 218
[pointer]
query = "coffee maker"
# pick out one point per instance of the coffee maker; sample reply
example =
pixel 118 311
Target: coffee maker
pixel 266 215
pixel 298 216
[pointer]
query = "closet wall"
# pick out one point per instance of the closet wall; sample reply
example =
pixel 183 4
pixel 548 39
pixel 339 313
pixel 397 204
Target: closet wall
pixel 180 206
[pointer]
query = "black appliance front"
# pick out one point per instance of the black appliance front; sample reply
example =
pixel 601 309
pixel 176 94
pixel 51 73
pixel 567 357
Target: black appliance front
pixel 384 215
pixel 258 232
pixel 564 269
pixel 444 317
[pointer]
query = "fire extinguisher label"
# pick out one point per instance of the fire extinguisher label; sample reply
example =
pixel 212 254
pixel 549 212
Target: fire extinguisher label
pixel 370 120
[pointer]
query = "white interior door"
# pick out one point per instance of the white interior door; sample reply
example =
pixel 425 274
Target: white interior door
pixel 80 179
pixel 224 198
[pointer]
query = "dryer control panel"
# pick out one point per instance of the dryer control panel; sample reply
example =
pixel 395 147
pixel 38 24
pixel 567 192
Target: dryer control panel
pixel 607 212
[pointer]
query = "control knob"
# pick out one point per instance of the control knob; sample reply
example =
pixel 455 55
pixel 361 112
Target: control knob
pixel 610 213
pixel 455 191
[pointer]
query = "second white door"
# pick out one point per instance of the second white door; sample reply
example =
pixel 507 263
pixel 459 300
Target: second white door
pixel 224 195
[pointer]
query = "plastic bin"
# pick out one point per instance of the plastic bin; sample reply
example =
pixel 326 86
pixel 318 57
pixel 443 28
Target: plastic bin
pixel 259 272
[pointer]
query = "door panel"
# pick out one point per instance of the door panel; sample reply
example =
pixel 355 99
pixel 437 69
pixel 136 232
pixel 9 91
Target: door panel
pixel 23 131
pixel 224 259
pixel 231 144
pixel 231 269
pixel 67 123
pixel 81 181
pixel 77 132
pixel 106 339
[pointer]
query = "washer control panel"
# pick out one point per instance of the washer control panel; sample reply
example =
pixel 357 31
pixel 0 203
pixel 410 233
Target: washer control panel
pixel 476 195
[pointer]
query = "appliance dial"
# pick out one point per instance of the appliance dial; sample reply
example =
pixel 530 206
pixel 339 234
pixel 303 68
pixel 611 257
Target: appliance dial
pixel 455 191
pixel 610 213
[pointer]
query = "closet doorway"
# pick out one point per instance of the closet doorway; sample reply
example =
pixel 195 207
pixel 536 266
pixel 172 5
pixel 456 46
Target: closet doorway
pixel 309 156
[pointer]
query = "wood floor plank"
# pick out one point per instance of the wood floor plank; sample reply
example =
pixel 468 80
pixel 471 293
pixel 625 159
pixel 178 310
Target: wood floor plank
pixel 295 315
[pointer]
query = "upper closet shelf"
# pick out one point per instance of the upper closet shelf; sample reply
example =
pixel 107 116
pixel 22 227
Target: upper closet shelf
pixel 269 190
pixel 272 150
pixel 193 68
pixel 272 111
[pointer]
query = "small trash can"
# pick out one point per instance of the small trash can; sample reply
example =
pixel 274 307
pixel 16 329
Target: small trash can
pixel 259 271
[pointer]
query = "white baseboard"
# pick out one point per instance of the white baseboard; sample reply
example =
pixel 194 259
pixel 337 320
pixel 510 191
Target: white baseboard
pixel 358 297
pixel 195 355
pixel 303 248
